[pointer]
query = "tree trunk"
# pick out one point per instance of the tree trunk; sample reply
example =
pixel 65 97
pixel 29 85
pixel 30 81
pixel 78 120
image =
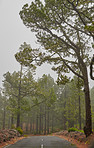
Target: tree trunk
pixel 40 121
pixel 27 127
pixel 45 122
pixel 18 119
pixel 31 125
pixel 9 121
pixel 79 103
pixel 79 113
pixel 52 122
pixel 19 100
pixel 88 126
pixel 48 121
pixel 12 120
pixel 37 124
pixel 64 117
pixel 4 116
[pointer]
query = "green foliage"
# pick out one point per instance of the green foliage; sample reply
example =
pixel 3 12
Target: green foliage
pixel 60 29
pixel 19 130
pixel 60 101
pixel 90 28
pixel 18 86
pixel 81 131
pixel 72 129
pixel 25 136
pixel 13 126
pixel 26 52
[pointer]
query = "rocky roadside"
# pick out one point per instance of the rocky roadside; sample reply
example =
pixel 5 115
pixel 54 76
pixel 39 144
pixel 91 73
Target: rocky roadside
pixel 77 138
pixel 8 137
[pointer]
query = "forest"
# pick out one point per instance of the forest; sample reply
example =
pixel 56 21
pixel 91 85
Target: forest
pixel 65 35
pixel 42 106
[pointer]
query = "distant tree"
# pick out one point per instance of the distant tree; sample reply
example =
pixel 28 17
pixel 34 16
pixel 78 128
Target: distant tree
pixel 4 114
pixel 47 84
pixel 67 105
pixel 18 86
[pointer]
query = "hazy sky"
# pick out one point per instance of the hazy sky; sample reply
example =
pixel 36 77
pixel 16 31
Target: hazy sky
pixel 12 34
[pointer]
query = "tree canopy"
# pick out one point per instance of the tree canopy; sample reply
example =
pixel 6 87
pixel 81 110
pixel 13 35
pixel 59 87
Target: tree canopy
pixel 63 30
pixel 60 29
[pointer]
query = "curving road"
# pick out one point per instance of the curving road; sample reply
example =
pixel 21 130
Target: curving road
pixel 42 142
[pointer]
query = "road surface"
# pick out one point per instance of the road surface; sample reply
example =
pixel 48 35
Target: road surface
pixel 42 142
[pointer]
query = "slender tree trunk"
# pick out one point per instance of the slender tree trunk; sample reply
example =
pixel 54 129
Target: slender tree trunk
pixel 31 125
pixel 19 100
pixel 48 121
pixel 18 119
pixel 64 117
pixel 45 122
pixel 12 120
pixel 9 121
pixel 37 124
pixel 40 122
pixel 79 113
pixel 79 104
pixel 4 116
pixel 21 124
pixel 27 123
pixel 52 122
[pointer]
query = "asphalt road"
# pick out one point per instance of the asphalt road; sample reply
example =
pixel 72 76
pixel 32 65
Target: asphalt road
pixel 42 142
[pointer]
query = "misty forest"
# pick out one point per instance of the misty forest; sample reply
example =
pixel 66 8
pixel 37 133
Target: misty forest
pixel 64 30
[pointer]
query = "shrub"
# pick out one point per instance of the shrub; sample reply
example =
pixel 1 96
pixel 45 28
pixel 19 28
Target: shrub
pixel 72 129
pixel 81 131
pixel 25 135
pixel 13 126
pixel 19 130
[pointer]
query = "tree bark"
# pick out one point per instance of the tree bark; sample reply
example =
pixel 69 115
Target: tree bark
pixel 33 128
pixel 48 121
pixel 37 124
pixel 4 116
pixel 79 113
pixel 40 121
pixel 79 104
pixel 19 100
pixel 88 126
pixel 52 122
pixel 64 117
pixel 91 68
pixel 12 120
pixel 45 122
pixel 9 121
pixel 31 125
